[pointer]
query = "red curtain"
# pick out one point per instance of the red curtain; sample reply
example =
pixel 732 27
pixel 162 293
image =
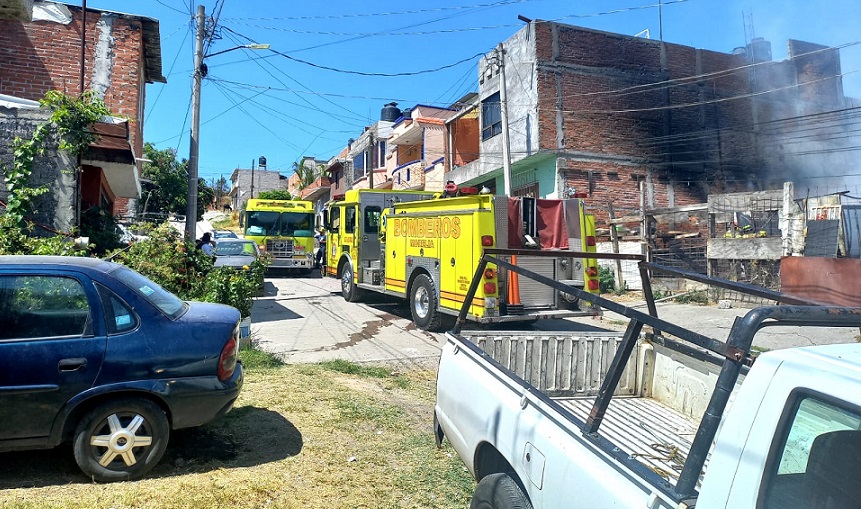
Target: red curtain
pixel 552 233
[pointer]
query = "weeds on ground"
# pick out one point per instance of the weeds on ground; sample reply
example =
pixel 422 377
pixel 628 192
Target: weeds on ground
pixel 352 368
pixel 694 297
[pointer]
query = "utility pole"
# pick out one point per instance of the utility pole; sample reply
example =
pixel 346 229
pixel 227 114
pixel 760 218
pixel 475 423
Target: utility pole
pixel 372 161
pixel 194 147
pixel 503 108
pixel 252 178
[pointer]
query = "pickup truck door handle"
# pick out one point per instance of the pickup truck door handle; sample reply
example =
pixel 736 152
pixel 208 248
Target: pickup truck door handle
pixel 72 364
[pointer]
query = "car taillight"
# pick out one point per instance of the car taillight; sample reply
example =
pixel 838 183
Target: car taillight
pixel 487 240
pixel 592 272
pixel 227 360
pixel 593 284
pixel 489 273
pixel 590 240
pixel 489 288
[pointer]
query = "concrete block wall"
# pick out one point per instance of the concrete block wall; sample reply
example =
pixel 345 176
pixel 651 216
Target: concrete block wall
pixel 55 209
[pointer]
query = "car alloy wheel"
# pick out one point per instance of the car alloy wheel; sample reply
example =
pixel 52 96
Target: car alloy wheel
pixel 121 440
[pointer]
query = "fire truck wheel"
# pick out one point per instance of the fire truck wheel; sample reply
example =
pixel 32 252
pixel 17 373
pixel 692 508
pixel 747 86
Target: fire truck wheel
pixel 348 285
pixel 423 304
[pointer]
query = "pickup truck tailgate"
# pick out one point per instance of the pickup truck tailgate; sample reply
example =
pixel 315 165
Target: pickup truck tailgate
pixel 559 365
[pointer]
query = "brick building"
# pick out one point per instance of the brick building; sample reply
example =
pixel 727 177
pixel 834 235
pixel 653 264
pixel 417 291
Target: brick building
pixel 638 122
pixel 122 55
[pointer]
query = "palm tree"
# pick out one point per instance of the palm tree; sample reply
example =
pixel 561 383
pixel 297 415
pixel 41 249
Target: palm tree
pixel 308 173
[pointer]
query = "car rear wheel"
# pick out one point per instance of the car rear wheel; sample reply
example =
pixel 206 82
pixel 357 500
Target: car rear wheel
pixel 121 440
pixel 499 491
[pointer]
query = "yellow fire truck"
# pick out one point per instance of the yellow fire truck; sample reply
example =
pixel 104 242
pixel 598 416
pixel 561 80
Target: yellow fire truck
pixel 284 229
pixel 424 247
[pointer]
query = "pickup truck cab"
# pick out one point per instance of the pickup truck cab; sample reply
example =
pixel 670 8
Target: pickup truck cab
pixel 667 419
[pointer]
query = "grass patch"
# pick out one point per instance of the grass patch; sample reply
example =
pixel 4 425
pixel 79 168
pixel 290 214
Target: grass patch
pixel 301 436
pixel 254 359
pixel 352 368
pixel 375 412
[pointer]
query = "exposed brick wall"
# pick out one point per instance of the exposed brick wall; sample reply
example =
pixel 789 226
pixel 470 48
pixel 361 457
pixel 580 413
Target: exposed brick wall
pixel 602 109
pixel 42 56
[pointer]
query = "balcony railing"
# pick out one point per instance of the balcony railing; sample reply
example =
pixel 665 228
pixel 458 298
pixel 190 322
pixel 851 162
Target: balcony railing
pixel 409 175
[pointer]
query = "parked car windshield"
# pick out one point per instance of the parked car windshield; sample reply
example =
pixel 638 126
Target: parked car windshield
pixel 168 303
pixel 235 248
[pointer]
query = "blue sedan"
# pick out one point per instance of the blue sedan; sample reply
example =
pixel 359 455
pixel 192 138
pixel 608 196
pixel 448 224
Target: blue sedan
pixel 95 354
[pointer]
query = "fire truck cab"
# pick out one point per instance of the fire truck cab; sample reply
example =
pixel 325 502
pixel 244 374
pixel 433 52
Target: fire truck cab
pixel 424 247
pixel 284 229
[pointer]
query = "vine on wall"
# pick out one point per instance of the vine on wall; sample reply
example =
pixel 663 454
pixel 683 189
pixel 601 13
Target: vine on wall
pixel 70 123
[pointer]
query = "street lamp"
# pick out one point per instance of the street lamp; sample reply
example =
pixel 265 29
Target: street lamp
pixel 194 145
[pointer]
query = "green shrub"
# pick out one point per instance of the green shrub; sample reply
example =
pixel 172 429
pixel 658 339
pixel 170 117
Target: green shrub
pixel 102 229
pixel 189 273
pixel 694 297
pixel 606 280
pixel 15 240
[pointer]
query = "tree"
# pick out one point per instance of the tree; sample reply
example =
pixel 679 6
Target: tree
pixel 168 191
pixel 275 194
pixel 220 189
pixel 307 171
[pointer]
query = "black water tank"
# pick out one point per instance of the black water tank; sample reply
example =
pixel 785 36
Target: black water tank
pixel 390 112
pixel 759 50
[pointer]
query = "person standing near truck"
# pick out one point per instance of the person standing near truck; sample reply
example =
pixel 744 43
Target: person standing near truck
pixel 320 255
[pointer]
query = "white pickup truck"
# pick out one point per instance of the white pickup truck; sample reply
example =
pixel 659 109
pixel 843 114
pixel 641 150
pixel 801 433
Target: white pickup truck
pixel 669 419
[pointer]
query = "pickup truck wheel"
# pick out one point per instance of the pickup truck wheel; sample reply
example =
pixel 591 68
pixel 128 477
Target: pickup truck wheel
pixel 499 491
pixel 423 304
pixel 348 284
pixel 121 440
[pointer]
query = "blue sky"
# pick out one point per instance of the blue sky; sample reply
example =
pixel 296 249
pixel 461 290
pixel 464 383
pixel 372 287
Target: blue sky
pixel 261 103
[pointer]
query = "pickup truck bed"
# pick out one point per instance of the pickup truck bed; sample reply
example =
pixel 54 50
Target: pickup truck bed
pixel 658 436
pixel 569 369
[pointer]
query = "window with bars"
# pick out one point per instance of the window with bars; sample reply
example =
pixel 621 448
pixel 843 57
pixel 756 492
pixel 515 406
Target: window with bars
pixel 491 117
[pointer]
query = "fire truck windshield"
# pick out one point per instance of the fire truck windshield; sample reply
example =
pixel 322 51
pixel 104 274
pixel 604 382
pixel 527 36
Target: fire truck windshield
pixel 288 224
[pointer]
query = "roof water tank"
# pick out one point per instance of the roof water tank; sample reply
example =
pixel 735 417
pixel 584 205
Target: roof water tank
pixel 759 50
pixel 390 112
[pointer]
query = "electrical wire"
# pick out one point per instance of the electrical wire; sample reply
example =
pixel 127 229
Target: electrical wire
pixel 171 7
pixel 294 80
pixel 161 89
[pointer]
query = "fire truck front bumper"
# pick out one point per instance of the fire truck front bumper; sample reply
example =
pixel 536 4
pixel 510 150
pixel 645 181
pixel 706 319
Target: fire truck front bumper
pixel 292 263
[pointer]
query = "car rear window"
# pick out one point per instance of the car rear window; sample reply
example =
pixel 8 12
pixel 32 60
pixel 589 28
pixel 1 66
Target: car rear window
pixel 168 303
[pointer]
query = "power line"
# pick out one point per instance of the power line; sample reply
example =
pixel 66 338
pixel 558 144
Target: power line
pixel 175 58
pixel 255 60
pixel 377 74
pixel 172 8
pixel 376 14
